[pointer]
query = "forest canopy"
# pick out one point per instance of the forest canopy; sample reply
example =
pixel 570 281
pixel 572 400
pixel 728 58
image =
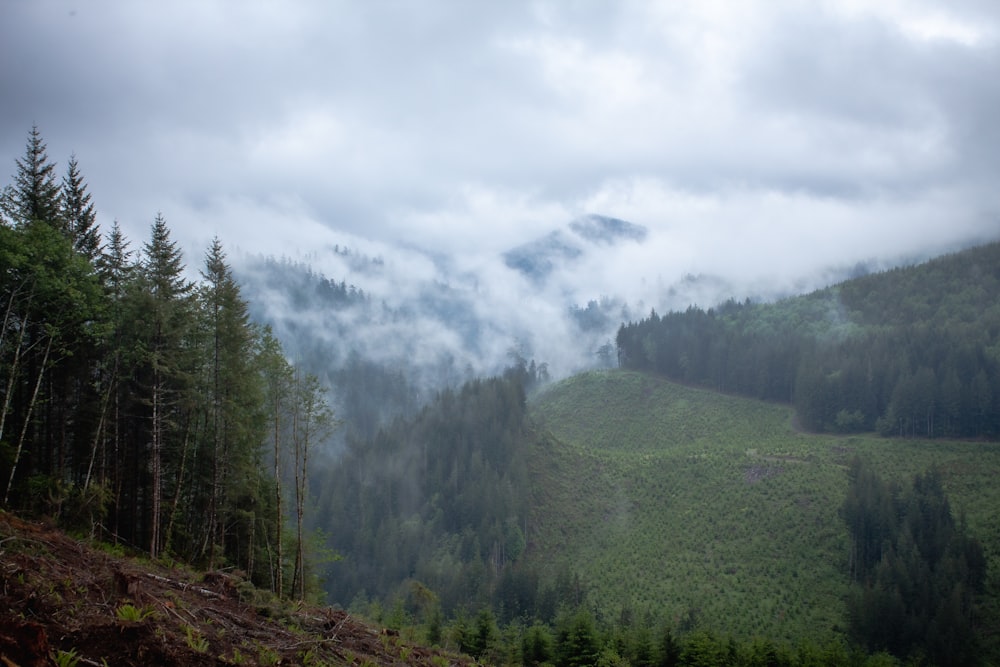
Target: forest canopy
pixel 911 352
pixel 137 404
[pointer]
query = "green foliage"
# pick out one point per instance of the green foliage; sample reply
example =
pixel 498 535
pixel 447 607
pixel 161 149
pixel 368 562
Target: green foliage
pixel 66 658
pixel 436 499
pixel 268 656
pixel 196 641
pixel 918 584
pixel 538 646
pixel 132 614
pixel 577 641
pixel 911 352
pixel 484 635
pixel 707 510
pixel 133 402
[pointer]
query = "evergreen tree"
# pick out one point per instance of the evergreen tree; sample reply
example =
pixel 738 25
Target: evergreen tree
pixel 165 366
pixel 312 424
pixel 53 312
pixel 278 377
pixel 127 395
pixel 35 193
pixel 77 213
pixel 538 646
pixel 577 641
pixel 233 395
pixel 118 273
pixel 917 591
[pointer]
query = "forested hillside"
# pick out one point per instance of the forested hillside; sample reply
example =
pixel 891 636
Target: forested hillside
pixel 914 351
pixel 138 405
pixel 618 514
pixel 433 509
pixel 683 507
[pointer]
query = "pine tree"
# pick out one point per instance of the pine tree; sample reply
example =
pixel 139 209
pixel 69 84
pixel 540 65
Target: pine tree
pixel 164 296
pixel 77 213
pixel 118 271
pixel 234 393
pixel 312 423
pixel 52 322
pixel 278 375
pixel 35 194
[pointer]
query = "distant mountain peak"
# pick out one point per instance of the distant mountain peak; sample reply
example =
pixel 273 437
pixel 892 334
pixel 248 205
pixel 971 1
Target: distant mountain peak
pixel 537 259
pixel 602 229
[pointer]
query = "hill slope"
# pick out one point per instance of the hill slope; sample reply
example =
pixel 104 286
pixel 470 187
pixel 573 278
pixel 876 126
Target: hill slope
pixel 58 595
pixel 913 352
pixel 712 509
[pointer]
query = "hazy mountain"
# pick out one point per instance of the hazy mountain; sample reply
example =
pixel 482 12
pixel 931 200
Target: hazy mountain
pixel 415 310
pixel 537 259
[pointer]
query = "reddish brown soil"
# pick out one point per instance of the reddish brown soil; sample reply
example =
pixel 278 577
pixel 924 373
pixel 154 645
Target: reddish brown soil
pixel 61 595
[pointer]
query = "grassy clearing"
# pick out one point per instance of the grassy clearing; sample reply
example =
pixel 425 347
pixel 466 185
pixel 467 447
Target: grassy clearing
pixel 672 500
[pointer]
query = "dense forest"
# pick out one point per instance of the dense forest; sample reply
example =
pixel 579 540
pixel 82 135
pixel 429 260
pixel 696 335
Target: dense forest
pixel 918 570
pixel 436 499
pixel 911 352
pixel 141 406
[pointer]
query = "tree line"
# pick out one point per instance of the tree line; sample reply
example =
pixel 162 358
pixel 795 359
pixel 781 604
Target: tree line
pixel 912 352
pixel 917 572
pixel 142 405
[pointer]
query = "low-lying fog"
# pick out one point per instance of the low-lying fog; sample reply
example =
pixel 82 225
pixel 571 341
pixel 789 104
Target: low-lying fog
pixel 557 296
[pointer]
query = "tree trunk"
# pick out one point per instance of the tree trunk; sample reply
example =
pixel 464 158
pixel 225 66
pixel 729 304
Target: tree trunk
pixel 155 462
pixel 10 383
pixel 13 374
pixel 27 420
pixel 296 449
pixel 180 483
pixel 99 433
pixel 279 516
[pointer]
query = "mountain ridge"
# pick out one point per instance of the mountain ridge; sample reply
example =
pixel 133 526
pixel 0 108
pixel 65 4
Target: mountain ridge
pixel 537 259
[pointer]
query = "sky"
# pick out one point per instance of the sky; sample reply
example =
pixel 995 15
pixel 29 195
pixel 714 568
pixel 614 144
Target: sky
pixel 761 141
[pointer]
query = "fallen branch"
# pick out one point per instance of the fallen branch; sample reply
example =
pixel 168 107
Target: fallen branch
pixel 168 608
pixel 312 642
pixel 336 629
pixel 204 592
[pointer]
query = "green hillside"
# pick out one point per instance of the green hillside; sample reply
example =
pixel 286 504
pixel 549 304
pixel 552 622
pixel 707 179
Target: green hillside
pixel 911 352
pixel 691 504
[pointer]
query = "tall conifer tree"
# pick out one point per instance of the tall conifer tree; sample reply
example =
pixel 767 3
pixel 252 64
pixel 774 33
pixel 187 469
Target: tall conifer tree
pixel 168 319
pixel 234 392
pixel 35 193
pixel 78 214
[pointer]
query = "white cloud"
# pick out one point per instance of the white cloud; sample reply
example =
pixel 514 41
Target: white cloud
pixel 759 141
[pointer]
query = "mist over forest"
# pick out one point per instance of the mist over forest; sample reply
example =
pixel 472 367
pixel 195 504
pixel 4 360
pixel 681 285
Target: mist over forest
pixel 426 321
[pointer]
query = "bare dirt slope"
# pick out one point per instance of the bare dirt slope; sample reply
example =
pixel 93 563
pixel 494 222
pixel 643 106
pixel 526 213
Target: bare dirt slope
pixel 62 599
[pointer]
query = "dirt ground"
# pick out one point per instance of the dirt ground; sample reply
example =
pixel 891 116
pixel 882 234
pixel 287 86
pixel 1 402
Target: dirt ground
pixel 63 602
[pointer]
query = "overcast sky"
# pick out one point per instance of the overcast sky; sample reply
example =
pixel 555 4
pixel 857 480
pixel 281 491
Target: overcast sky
pixel 756 140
